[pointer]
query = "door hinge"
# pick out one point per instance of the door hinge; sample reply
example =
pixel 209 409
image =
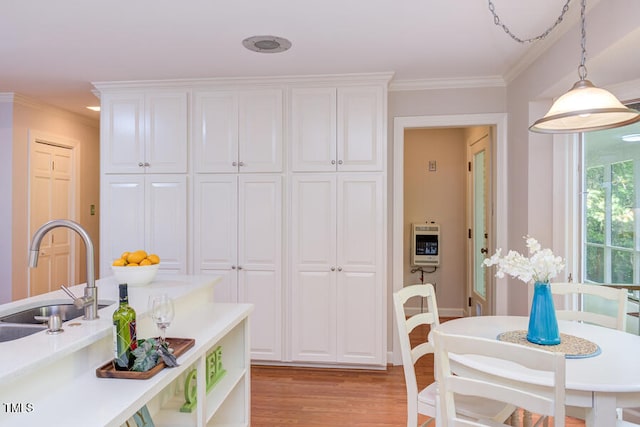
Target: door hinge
pixel 469 166
pixel 53 165
pixel 469 301
pixel 470 233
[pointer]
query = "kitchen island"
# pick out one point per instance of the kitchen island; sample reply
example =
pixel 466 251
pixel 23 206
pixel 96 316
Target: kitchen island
pixel 51 379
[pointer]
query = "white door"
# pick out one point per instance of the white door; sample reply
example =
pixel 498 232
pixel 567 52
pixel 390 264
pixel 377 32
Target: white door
pixel 122 219
pixel 166 132
pixel 260 131
pixel 313 281
pixel 313 129
pixel 122 133
pixel 215 132
pixel 51 197
pixel 359 299
pixel 259 261
pixel 165 220
pixel 215 232
pixel 360 139
pixel 480 283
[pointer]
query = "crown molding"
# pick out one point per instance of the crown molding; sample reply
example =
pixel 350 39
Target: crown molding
pixel 454 83
pixel 231 82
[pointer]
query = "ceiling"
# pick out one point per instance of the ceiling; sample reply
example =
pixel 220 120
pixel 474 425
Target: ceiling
pixel 53 50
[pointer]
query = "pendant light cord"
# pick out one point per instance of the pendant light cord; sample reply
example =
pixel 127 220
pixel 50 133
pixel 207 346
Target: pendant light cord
pixel 565 8
pixel 582 69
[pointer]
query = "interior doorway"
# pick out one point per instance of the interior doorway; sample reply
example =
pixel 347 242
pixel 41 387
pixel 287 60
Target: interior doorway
pixel 498 122
pixel 52 195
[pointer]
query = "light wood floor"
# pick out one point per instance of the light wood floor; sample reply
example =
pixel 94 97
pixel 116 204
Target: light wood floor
pixel 285 396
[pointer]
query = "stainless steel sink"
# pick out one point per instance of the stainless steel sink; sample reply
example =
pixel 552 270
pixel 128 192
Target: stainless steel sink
pixel 38 315
pixel 12 331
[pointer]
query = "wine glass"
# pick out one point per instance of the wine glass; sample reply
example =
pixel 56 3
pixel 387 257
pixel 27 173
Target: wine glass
pixel 162 312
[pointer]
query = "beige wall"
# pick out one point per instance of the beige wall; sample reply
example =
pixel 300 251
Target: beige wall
pixel 27 116
pixel 437 196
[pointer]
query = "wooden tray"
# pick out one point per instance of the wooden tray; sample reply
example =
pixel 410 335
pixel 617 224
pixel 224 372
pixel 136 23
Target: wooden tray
pixel 179 345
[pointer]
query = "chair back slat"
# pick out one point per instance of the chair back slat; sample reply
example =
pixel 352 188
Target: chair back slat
pixel 617 295
pixel 539 386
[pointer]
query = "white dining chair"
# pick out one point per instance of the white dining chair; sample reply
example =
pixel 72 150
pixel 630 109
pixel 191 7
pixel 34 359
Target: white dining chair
pixel 424 401
pixel 544 400
pixel 604 293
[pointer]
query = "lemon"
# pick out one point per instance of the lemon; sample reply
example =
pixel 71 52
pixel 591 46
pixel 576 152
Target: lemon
pixel 145 261
pixel 137 256
pixel 132 264
pixel 125 255
pixel 155 259
pixel 119 262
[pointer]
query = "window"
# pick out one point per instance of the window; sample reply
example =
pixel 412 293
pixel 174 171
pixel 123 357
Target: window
pixel 611 207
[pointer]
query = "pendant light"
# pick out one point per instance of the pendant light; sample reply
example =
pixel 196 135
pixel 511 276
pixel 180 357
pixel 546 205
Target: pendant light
pixel 585 107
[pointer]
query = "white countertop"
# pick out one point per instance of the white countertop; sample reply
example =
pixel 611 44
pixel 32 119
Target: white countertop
pixel 35 351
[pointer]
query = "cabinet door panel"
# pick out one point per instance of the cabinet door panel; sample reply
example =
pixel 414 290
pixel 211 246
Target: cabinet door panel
pixel 166 132
pixel 361 129
pixel 314 222
pixel 360 319
pixel 166 221
pixel 360 221
pixel 215 222
pixel 260 131
pixel 122 132
pixel 122 218
pixel 313 129
pixel 262 288
pixel 260 222
pixel 313 320
pixel 215 132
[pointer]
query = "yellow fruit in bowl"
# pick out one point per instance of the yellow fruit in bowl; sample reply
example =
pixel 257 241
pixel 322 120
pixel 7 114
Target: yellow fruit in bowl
pixel 132 264
pixel 136 257
pixel 155 259
pixel 145 261
pixel 119 262
pixel 125 255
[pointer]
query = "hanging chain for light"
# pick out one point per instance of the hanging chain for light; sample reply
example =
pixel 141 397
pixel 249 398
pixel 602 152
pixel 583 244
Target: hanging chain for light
pixel 498 22
pixel 582 69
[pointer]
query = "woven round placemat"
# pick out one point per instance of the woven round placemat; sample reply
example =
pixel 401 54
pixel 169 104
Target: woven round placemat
pixel 573 347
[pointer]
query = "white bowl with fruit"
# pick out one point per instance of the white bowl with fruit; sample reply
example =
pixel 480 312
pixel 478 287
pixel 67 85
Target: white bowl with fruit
pixel 136 268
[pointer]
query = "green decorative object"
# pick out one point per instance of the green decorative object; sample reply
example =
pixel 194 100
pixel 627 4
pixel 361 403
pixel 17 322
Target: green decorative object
pixel 214 373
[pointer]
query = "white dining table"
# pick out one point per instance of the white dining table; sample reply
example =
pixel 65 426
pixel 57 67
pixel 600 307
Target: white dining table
pixel 600 383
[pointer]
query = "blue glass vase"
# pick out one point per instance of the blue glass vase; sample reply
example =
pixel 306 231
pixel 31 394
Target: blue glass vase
pixel 543 325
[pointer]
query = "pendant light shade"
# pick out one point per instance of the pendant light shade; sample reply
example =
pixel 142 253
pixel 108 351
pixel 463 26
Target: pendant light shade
pixel 585 108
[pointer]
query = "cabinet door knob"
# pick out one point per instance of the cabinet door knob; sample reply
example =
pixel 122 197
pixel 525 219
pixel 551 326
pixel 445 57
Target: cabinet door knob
pixel 333 269
pixel 233 267
pixel 240 163
pixel 146 164
pixel 239 267
pixel 140 164
pixel 333 162
pixel 339 162
pixel 339 268
pixel 234 163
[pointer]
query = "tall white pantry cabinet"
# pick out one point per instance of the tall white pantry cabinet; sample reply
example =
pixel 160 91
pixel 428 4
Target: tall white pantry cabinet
pixel 278 186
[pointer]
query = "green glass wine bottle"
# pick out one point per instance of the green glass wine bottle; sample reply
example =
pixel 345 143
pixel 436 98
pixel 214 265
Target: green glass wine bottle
pixel 124 332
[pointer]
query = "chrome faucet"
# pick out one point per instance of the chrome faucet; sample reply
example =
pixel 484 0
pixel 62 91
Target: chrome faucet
pixel 90 299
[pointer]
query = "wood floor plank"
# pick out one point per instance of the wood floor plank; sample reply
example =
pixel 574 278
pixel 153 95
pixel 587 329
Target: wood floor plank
pixel 288 396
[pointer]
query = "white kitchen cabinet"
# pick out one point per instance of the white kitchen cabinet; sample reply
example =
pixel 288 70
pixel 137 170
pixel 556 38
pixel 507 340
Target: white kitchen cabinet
pixel 144 132
pixel 337 286
pixel 337 129
pixel 238 131
pixel 144 212
pixel 238 235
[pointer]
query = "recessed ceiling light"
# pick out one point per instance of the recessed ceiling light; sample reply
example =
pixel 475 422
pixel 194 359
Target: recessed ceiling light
pixel 94 108
pixel 634 137
pixel 266 44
